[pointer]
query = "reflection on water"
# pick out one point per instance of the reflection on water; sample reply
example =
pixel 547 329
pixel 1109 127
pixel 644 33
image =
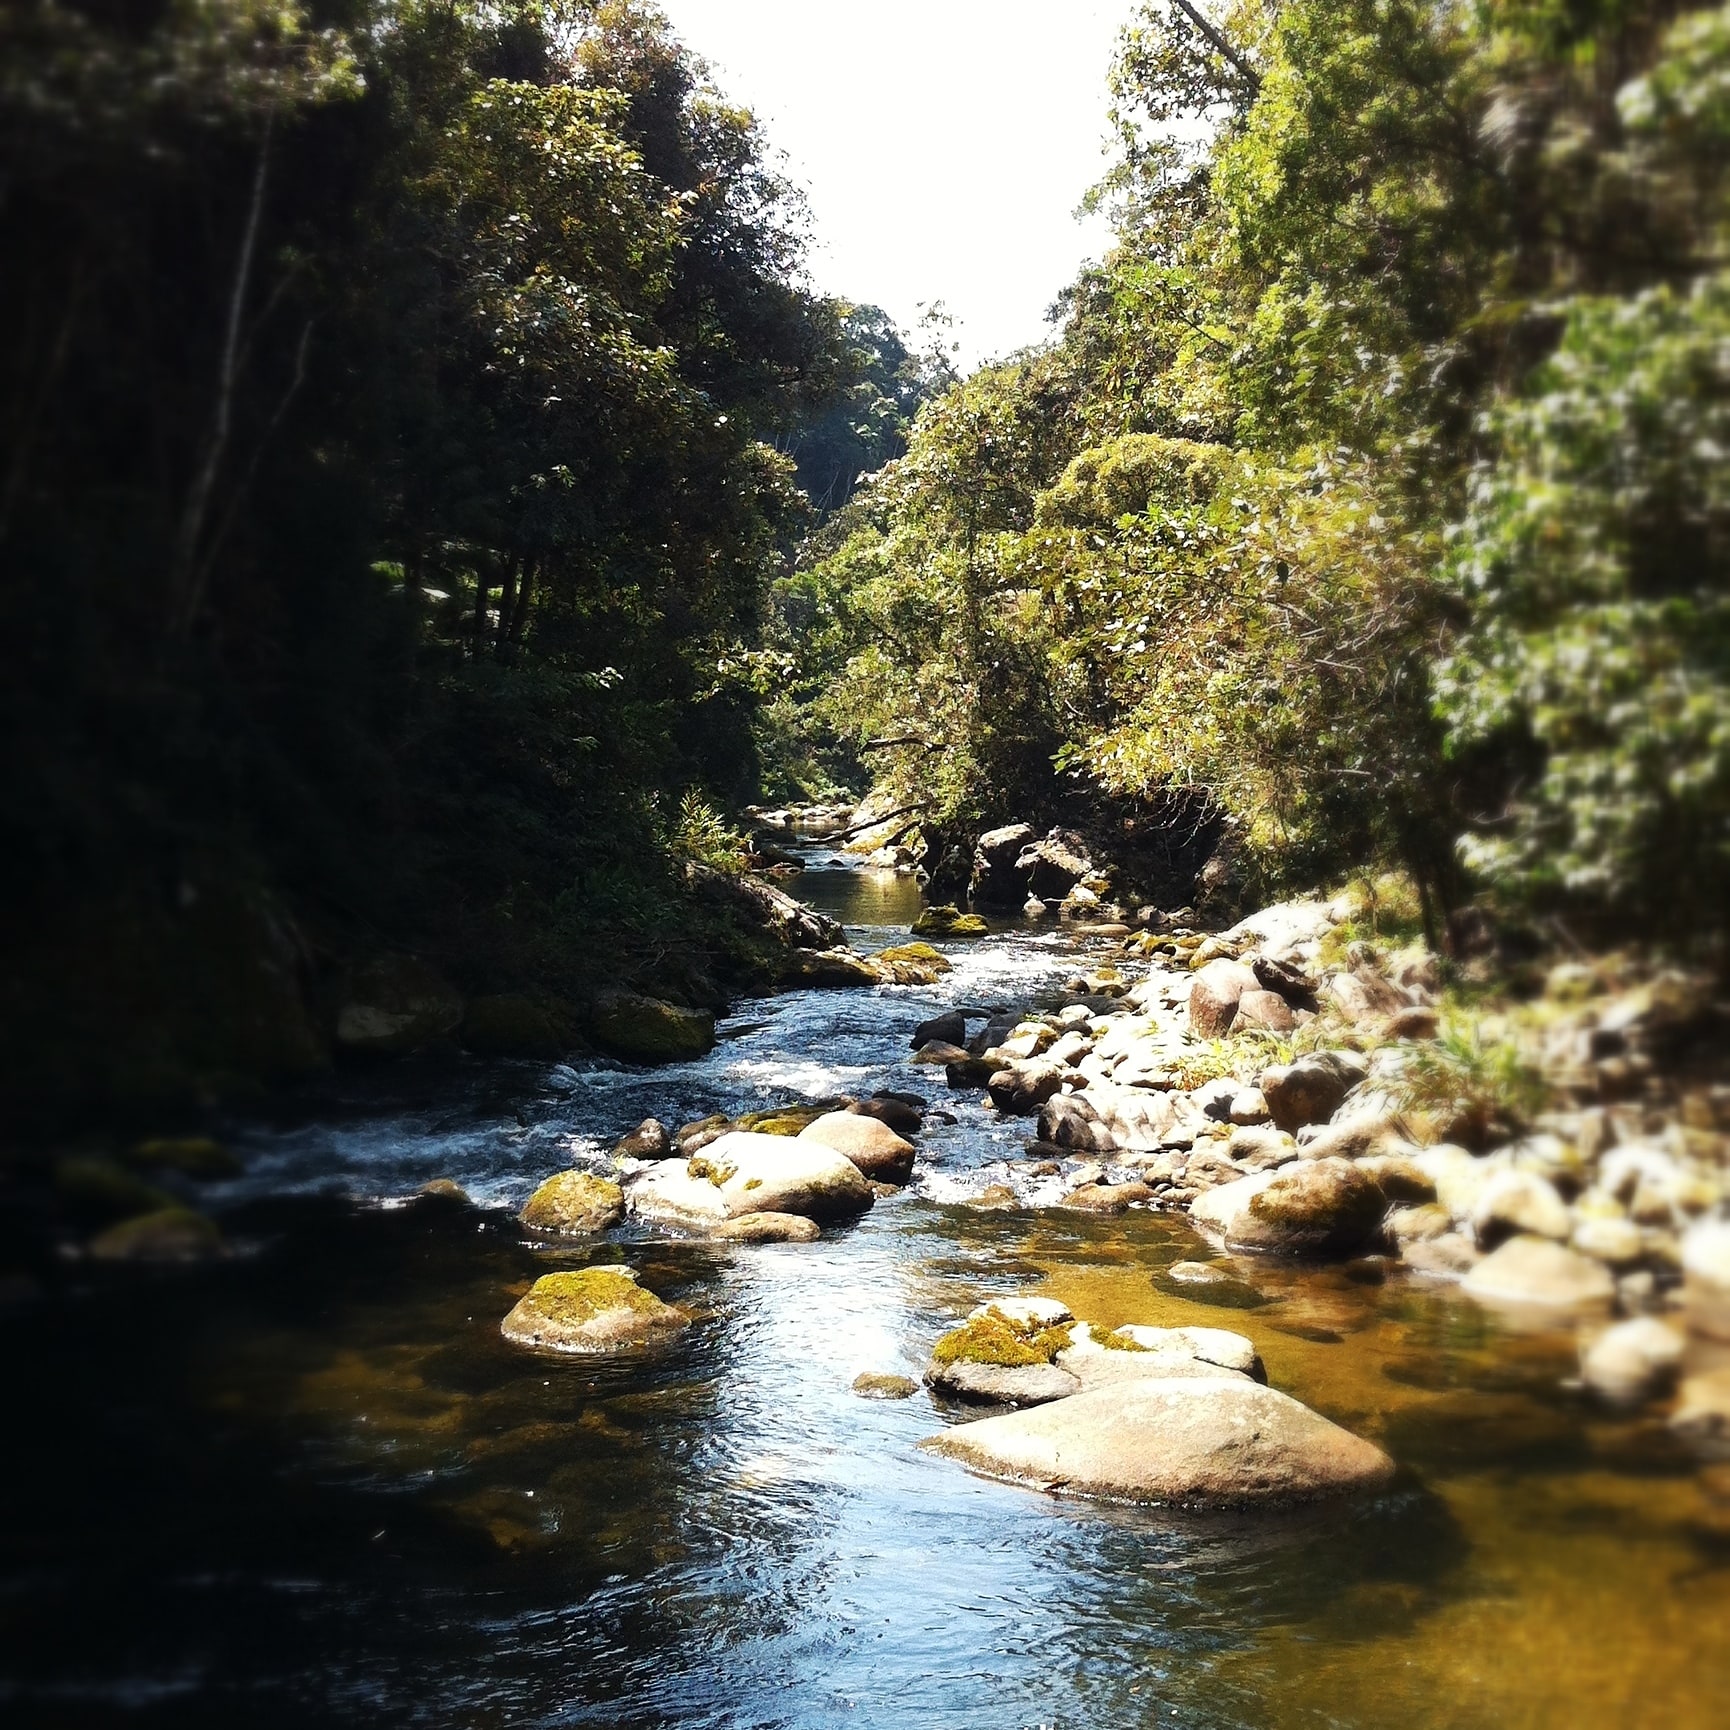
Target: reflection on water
pixel 313 1484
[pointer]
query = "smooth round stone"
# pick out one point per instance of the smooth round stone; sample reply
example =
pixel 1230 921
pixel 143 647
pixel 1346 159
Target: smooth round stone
pixel 769 1228
pixel 590 1310
pixel 1533 1272
pixel 871 1385
pixel 1632 1362
pixel 1213 1441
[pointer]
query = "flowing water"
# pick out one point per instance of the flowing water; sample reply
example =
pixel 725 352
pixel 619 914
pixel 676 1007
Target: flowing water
pixel 311 1484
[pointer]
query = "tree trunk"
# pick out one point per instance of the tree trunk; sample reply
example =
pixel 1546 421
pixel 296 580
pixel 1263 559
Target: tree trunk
pixel 507 605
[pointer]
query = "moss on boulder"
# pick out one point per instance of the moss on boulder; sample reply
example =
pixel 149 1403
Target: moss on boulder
pixel 167 1234
pixel 198 1157
pixel 574 1204
pixel 647 1030
pixel 947 920
pixel 511 1024
pixel 994 1339
pixel 589 1310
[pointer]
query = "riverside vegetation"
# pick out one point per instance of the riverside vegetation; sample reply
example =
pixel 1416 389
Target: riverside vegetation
pixel 1318 652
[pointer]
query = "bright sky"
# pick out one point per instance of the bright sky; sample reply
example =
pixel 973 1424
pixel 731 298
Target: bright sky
pixel 944 144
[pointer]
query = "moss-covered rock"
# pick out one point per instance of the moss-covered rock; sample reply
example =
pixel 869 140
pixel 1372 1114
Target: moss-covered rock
pixel 167 1234
pixel 782 1119
pixel 198 1157
pixel 647 1030
pixel 994 1338
pixel 590 1310
pixel 96 1188
pixel 830 969
pixel 574 1204
pixel 769 1228
pixel 910 964
pixel 510 1024
pixel 875 1386
pixel 946 920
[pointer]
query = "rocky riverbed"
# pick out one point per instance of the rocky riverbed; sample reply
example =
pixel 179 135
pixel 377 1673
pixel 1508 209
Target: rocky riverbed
pixel 741 1477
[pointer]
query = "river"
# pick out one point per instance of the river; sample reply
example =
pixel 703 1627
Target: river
pixel 311 1484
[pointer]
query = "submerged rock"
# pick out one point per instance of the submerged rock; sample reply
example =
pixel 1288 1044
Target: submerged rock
pixel 647 1030
pixel 589 1310
pixel 574 1204
pixel 868 1142
pixel 768 1228
pixel 872 1385
pixel 1207 1441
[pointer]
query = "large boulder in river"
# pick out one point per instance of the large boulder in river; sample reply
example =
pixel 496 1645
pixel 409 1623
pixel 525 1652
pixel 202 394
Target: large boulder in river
pixel 740 1173
pixel 909 964
pixel 574 1204
pixel 947 920
pixel 1020 1089
pixel 1214 995
pixel 590 1310
pixel 1205 1441
pixel 393 1005
pixel 511 1024
pixel 1312 1089
pixel 646 1030
pixel 868 1142
pixel 998 881
pixel 1054 866
pixel 1001 1355
pixel 1313 1207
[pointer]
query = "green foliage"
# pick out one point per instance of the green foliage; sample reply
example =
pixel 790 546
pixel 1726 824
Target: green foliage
pixel 1477 1088
pixel 700 837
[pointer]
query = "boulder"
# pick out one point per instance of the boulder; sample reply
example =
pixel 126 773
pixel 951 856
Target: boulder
pixel 1313 1088
pixel 1003 1357
pixel 1706 1279
pixel 950 1028
pixel 1533 1272
pixel 948 921
pixel 510 1024
pixel 574 1204
pixel 1020 1089
pixel 998 880
pixel 1106 1197
pixel 1317 1207
pixel 1402 1179
pixel 1702 1415
pixel 167 1234
pixel 692 1138
pixel 1288 981
pixel 1070 1120
pixel 1360 1135
pixel 837 969
pixel 1421 1222
pixel 1214 995
pixel 1054 866
pixel 741 1173
pixel 1418 1022
pixel 393 1005
pixel 910 964
pixel 647 1030
pixel 1459 1176
pixel 1512 1202
pixel 1633 1362
pixel 992 1384
pixel 649 1140
pixel 903 1112
pixel 1266 1010
pixel 1248 1108
pixel 1615 1242
pixel 1261 1148
pixel 768 1228
pixel 590 1310
pixel 1207 1441
pixel 870 1144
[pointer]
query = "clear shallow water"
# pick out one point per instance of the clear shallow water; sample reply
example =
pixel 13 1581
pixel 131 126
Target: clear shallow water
pixel 313 1484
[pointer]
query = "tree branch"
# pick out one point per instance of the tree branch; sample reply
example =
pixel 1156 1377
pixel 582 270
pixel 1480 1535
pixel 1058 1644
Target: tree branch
pixel 1239 65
